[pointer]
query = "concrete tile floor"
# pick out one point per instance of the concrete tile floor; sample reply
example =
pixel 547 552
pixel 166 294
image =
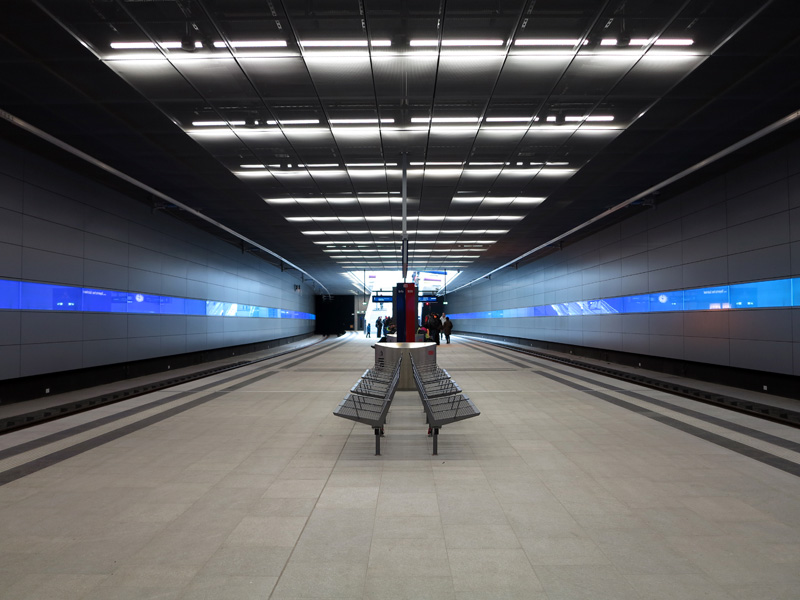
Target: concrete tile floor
pixel 260 492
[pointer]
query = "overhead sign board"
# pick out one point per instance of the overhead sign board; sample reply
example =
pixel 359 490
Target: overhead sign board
pixel 381 298
pixel 428 299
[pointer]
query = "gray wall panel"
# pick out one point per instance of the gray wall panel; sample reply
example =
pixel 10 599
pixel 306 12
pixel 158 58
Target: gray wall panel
pixel 10 359
pixel 633 264
pixel 796 359
pixel 97 326
pixel 45 235
pixel 665 234
pixel 639 324
pixel 103 352
pixel 175 325
pixel 36 359
pixel 670 346
pixel 665 279
pixel 144 325
pixel 759 203
pixel 104 249
pixel 702 222
pixel 707 324
pixel 762 355
pixel 771 324
pixel 706 273
pixel 146 282
pixel 10 226
pixel 706 246
pixel 732 229
pixel 665 256
pixel 665 323
pixel 104 275
pixel 634 284
pixel 10 260
pixel 107 225
pixel 757 173
pixel 49 206
pixel 636 343
pixel 140 348
pixel 794 191
pixel 702 197
pixel 69 230
pixel 9 328
pixel 11 193
pixel 43 327
pixel 760 233
pixel 715 351
pixel 767 263
pixel 40 265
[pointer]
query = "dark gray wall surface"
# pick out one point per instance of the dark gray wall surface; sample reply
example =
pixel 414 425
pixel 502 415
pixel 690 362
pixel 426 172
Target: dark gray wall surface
pixel 60 227
pixel 738 227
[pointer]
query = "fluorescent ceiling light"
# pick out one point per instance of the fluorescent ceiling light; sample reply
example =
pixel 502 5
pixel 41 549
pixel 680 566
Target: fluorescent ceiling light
pixel 604 118
pixel 150 45
pixel 295 122
pixel 451 43
pixel 547 42
pixel 371 165
pixel 321 165
pixel 252 166
pixel 216 123
pixel 445 119
pixel 359 121
pixel 135 45
pixel 253 44
pixel 344 43
pixel 508 119
pixel 436 164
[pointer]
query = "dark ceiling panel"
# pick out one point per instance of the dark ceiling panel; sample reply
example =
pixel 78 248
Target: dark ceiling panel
pixel 530 117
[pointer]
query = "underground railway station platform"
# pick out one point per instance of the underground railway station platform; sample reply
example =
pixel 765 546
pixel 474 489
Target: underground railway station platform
pixel 570 484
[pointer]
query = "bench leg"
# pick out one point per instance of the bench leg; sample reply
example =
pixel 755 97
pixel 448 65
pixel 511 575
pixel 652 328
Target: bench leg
pixel 377 441
pixel 435 441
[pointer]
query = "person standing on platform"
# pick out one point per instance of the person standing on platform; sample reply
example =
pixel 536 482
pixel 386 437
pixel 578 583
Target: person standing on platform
pixel 434 326
pixel 447 328
pixel 369 327
pixel 378 327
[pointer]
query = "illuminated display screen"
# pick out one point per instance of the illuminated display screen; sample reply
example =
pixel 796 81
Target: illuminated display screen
pixel 757 294
pixel 25 295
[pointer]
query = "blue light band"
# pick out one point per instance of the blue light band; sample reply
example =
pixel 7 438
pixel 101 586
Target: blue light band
pixel 26 295
pixel 757 294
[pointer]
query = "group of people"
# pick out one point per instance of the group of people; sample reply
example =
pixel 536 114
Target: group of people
pixel 433 326
pixel 384 324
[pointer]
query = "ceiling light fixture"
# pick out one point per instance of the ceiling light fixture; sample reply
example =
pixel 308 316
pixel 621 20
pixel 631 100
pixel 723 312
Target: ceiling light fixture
pixel 548 42
pixel 359 121
pixel 253 44
pixel 344 43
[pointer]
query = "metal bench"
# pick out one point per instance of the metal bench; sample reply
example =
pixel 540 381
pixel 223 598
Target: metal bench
pixel 370 408
pixel 442 408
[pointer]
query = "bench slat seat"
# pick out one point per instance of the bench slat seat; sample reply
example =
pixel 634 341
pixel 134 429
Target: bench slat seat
pixel 369 400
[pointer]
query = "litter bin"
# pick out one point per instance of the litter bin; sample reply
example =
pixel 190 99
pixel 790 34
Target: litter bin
pixel 387 353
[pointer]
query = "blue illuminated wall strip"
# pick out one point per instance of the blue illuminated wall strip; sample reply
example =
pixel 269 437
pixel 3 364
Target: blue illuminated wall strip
pixel 757 294
pixel 25 295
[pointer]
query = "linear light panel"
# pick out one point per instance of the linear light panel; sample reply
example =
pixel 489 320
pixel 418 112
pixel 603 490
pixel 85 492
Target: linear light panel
pixel 445 119
pixel 253 44
pixel 344 43
pixel 359 121
pixel 547 42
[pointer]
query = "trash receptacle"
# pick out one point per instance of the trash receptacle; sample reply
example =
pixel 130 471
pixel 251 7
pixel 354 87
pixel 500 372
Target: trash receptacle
pixel 387 353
